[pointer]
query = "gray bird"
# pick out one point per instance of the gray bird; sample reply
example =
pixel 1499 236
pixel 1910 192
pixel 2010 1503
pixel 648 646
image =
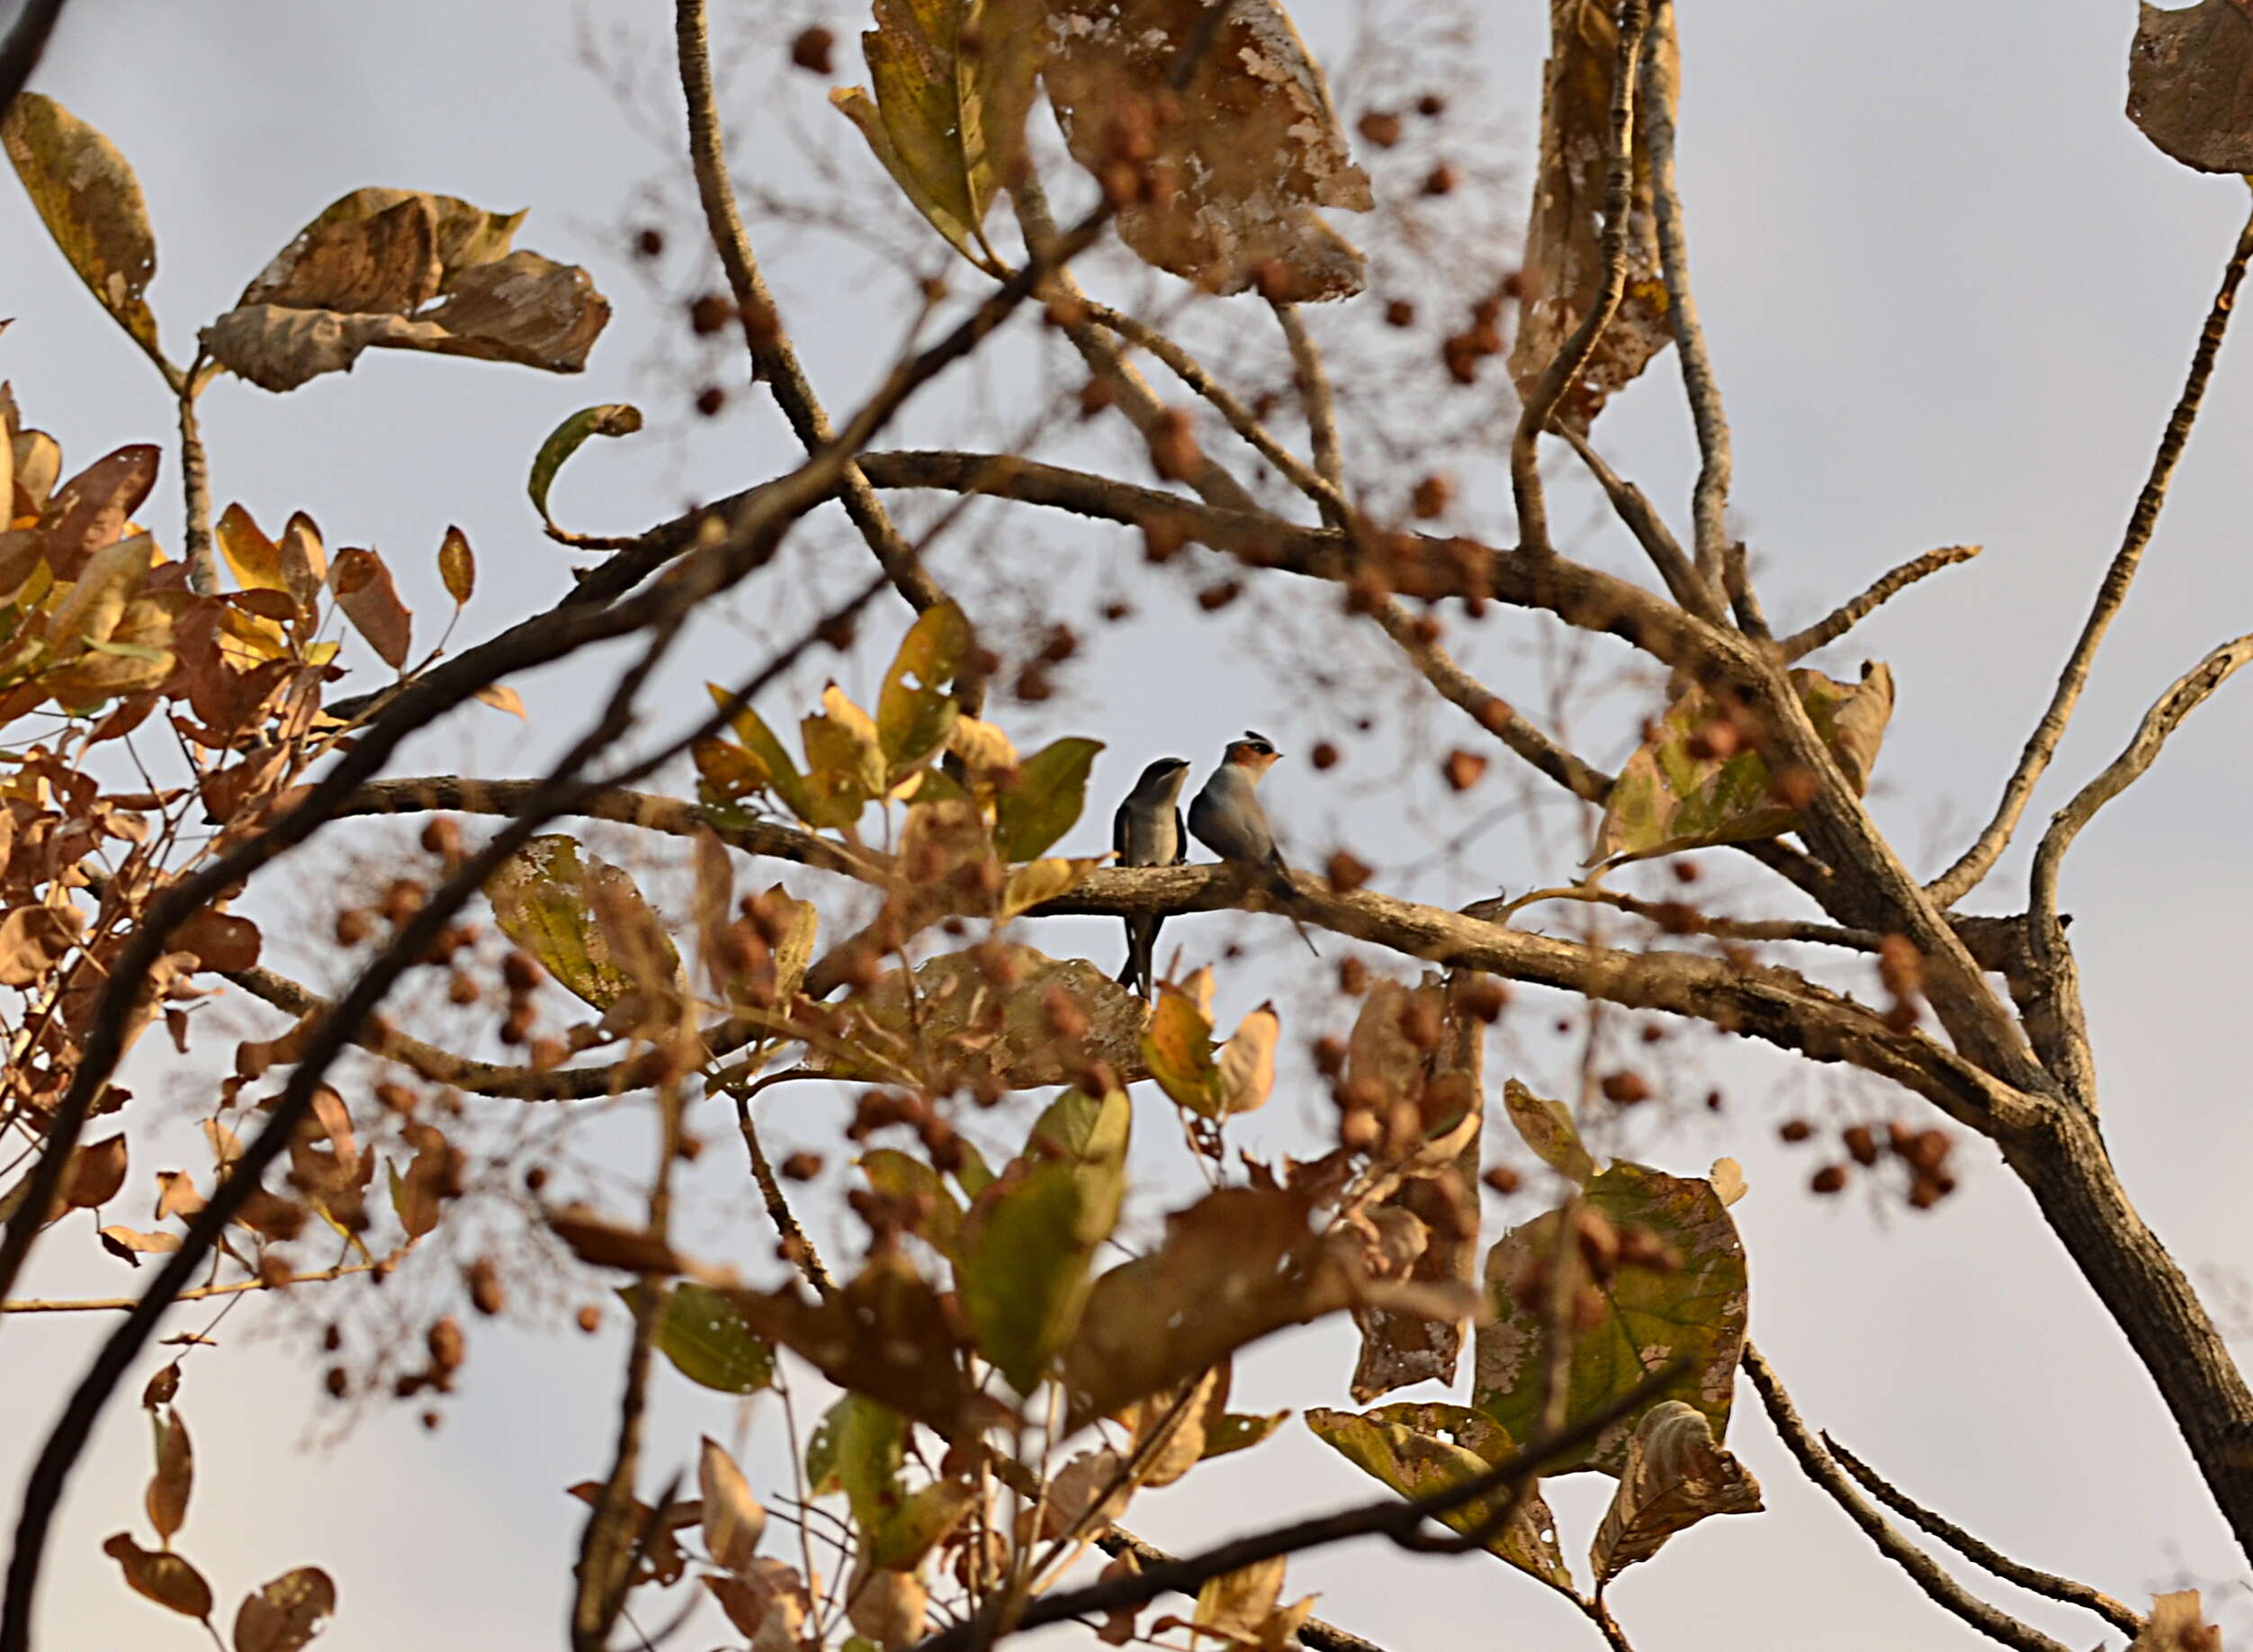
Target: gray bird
pixel 1146 832
pixel 1226 818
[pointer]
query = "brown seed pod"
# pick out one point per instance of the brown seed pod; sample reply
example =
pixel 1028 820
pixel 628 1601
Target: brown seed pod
pixel 1830 1179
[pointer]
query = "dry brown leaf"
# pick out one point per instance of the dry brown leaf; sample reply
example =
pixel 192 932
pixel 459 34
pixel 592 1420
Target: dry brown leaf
pixel 733 1519
pixel 888 1607
pixel 165 1578
pixel 1240 158
pixel 91 202
pixel 219 941
pixel 2190 83
pixel 94 1174
pixel 286 1613
pixel 364 591
pixel 601 1243
pixel 166 1499
pixel 1563 255
pixel 1675 1475
pixel 33 940
pixel 2177 1623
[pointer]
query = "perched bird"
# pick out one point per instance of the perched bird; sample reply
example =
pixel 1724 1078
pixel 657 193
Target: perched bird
pixel 1226 818
pixel 1146 832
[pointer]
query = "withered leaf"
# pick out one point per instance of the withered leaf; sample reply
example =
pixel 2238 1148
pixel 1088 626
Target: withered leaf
pixel 94 1174
pixel 364 591
pixel 131 1245
pixel 2190 83
pixel 1564 251
pixel 33 940
pixel 1674 1476
pixel 91 203
pixel 168 1496
pixel 287 1613
pixel 966 1019
pixel 90 510
pixel 616 419
pixel 457 565
pixel 732 1518
pixel 219 941
pixel 165 1578
pixel 1241 157
pixel 601 1243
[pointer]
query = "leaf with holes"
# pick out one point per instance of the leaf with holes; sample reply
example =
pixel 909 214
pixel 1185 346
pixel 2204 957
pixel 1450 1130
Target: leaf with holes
pixel 585 919
pixel 916 710
pixel 991 1011
pixel 286 1613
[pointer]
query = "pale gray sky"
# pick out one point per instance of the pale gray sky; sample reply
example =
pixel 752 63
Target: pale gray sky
pixel 1951 292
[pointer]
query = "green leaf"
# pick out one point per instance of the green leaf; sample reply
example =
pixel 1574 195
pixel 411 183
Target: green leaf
pixel 859 1449
pixel 1083 1128
pixel 91 203
pixel 1674 1476
pixel 1548 1129
pixel 973 1175
pixel 901 1542
pixel 615 418
pixel 946 123
pixel 1051 789
pixel 1023 1273
pixel 845 762
pixel 707 1340
pixel 1684 789
pixel 1419 1451
pixel 916 709
pixel 584 921
pixel 901 1175
pixel 1648 1317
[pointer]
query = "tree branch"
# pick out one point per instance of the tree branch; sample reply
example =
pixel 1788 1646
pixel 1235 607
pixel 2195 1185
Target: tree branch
pixel 199 1293
pixel 1984 1554
pixel 1662 85
pixel 1572 355
pixel 1844 618
pixel 1977 861
pixel 1690 587
pixel 1942 1590
pixel 25 43
pixel 1314 1633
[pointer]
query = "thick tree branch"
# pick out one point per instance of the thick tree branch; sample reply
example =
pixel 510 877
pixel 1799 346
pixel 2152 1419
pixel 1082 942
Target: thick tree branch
pixel 1661 87
pixel 1844 618
pixel 1977 861
pixel 1942 1590
pixel 1985 1554
pixel 1564 369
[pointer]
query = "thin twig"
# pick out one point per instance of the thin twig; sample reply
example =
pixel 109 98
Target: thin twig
pixel 1976 862
pixel 1844 618
pixel 1942 1590
pixel 2189 692
pixel 195 486
pixel 1662 87
pixel 1743 600
pixel 125 1305
pixel 1572 355
pixel 1687 585
pixel 1314 398
pixel 1971 1548
pixel 794 1238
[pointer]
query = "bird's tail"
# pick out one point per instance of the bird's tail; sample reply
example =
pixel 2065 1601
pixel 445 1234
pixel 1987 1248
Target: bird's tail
pixel 1140 972
pixel 1289 897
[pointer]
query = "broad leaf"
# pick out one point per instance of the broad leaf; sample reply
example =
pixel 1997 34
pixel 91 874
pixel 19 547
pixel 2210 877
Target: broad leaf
pixel 699 1330
pixel 363 586
pixel 1042 880
pixel 1240 158
pixel 164 1577
pixel 286 1613
pixel 733 1519
pixel 1211 1080
pixel 1563 245
pixel 1022 1277
pixel 1684 788
pixel 457 566
pixel 1051 789
pixel 903 1176
pixel 91 203
pixel 584 921
pixel 616 418
pixel 990 1011
pixel 1645 1318
pixel 1421 1450
pixel 1674 1477
pixel 2190 83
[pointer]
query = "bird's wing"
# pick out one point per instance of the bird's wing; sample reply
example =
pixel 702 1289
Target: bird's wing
pixel 1180 840
pixel 1119 829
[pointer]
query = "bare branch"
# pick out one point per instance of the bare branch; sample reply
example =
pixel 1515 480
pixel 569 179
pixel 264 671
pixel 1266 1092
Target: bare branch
pixel 1572 355
pixel 199 1293
pixel 1690 587
pixel 1844 618
pixel 1743 600
pixel 1979 860
pixel 773 356
pixel 1662 85
pixel 196 485
pixel 1983 1553
pixel 1315 397
pixel 1942 1590
pixel 794 1238
pixel 2189 692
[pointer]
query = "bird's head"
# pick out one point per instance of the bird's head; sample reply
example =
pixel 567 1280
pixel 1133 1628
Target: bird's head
pixel 1252 752
pixel 1162 777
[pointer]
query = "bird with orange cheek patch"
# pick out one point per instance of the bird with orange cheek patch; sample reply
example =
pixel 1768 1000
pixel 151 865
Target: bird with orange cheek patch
pixel 1227 817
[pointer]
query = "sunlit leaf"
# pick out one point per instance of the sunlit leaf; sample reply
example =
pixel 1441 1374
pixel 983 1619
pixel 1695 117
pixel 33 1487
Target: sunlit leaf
pixel 1691 786
pixel 1235 1604
pixel 916 709
pixel 1043 880
pixel 700 1332
pixel 255 560
pixel 616 418
pixel 285 1614
pixel 91 203
pixel 1643 1317
pixel 1238 1431
pixel 845 762
pixel 1674 1476
pixel 1422 1451
pixel 1050 792
pixel 457 566
pixel 585 919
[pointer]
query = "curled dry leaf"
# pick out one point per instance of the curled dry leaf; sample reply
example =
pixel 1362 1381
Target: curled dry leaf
pixel 1086 1493
pixel 91 203
pixel 405 270
pixel 768 1600
pixel 33 940
pixel 2177 1623
pixel 887 1606
pixel 1240 157
pixel 163 1578
pixel 1564 250
pixel 601 1243
pixel 2190 83
pixel 131 1245
pixel 1674 1476
pixel 287 1613
pixel 1234 1606
pixel 95 1174
pixel 363 586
